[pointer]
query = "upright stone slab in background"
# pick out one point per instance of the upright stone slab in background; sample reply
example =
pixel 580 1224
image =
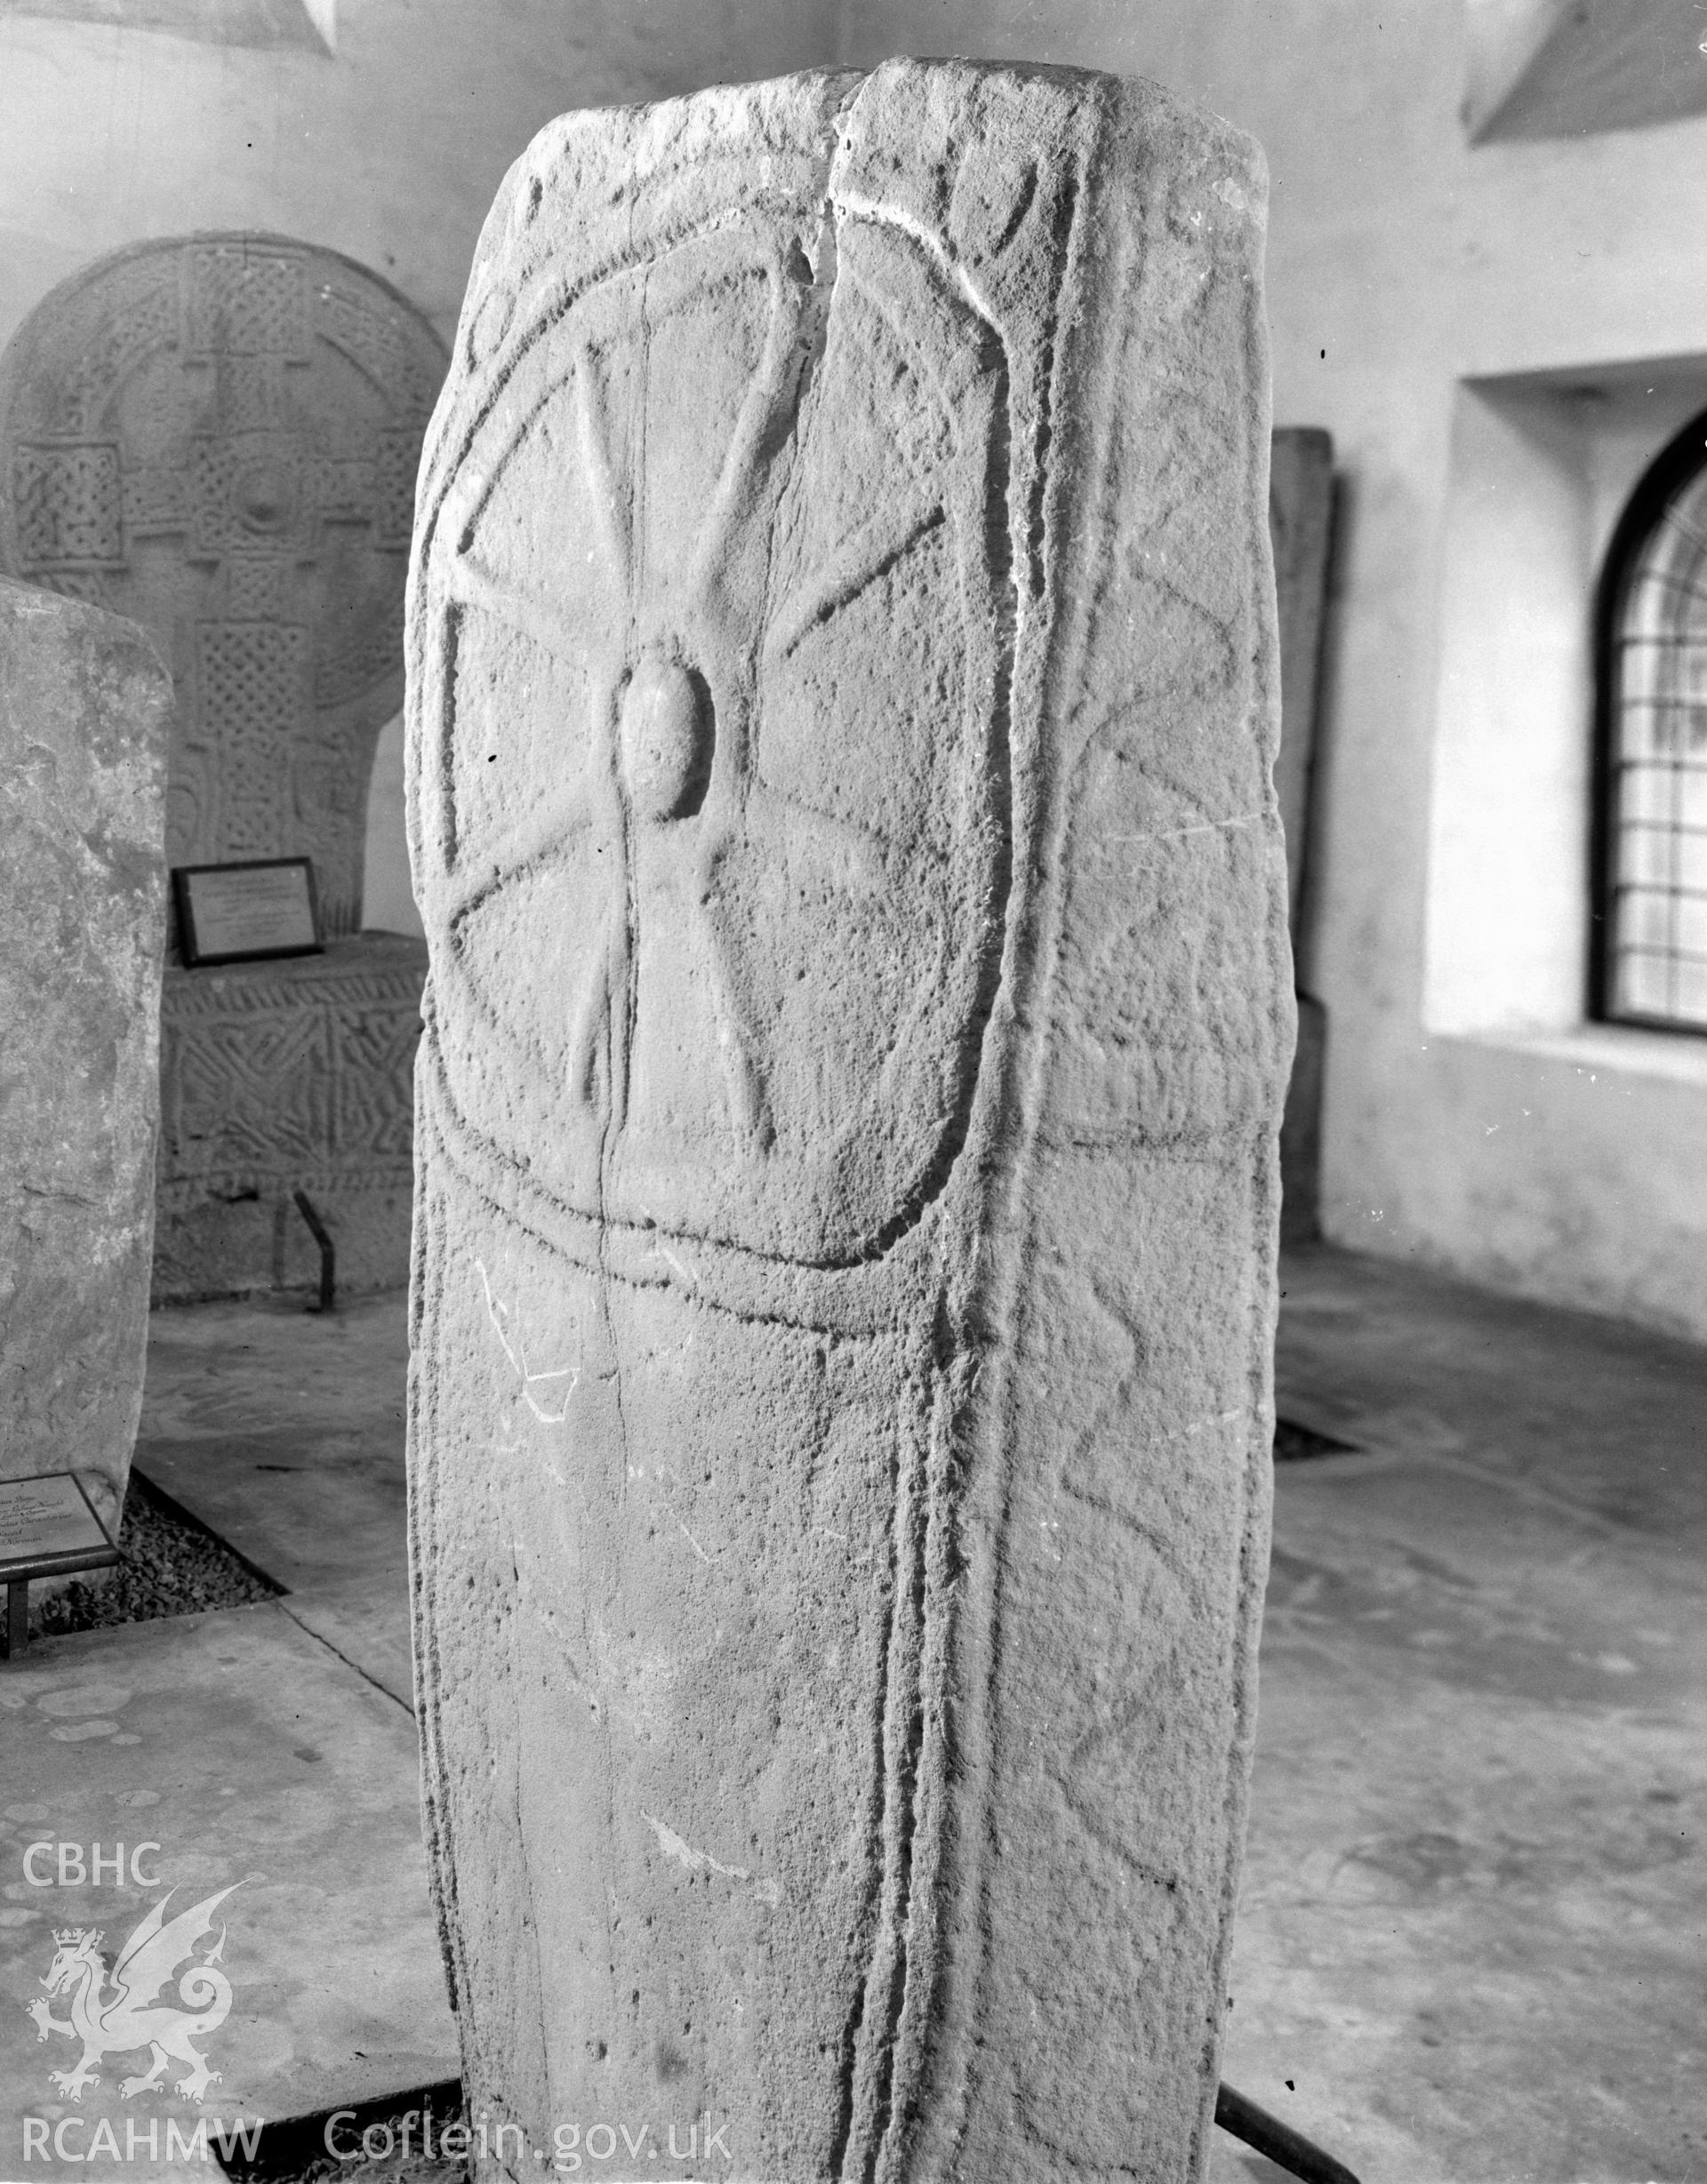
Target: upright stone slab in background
pixel 842 700
pixel 84 708
pixel 219 435
pixel 1301 519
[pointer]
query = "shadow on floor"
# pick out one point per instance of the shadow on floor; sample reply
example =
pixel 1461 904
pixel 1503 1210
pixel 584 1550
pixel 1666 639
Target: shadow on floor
pixel 1469 1944
pixel 1473 1901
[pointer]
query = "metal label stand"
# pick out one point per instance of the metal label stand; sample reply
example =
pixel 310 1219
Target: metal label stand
pixel 48 1528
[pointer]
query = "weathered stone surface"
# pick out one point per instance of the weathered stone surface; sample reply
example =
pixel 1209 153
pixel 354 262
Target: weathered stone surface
pixel 84 705
pixel 842 697
pixel 219 435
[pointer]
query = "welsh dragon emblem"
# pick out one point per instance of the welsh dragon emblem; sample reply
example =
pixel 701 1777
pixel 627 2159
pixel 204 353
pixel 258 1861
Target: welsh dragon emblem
pixel 130 2018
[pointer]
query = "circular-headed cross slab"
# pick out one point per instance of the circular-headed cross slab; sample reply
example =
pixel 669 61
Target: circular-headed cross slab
pixel 217 436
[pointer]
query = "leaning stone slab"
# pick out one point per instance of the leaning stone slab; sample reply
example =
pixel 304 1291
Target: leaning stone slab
pixel 842 698
pixel 85 703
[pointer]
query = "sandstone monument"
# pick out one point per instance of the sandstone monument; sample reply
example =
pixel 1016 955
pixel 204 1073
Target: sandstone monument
pixel 218 435
pixel 842 699
pixel 85 706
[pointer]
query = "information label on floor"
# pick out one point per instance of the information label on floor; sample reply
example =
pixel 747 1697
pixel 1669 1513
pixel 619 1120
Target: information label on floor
pixel 43 1519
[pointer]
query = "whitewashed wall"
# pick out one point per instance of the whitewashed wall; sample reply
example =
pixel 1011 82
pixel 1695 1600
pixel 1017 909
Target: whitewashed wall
pixel 1478 329
pixel 1472 1119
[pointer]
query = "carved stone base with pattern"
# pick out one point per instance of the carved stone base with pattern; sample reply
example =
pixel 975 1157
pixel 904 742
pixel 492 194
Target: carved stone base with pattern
pixel 85 703
pixel 842 698
pixel 280 1077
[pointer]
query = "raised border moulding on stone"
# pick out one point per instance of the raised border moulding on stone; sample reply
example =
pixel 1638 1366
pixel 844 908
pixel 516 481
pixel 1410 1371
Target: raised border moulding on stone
pixel 310 24
pixel 85 706
pixel 843 695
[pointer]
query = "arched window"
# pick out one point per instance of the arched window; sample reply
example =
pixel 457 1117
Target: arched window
pixel 1650 845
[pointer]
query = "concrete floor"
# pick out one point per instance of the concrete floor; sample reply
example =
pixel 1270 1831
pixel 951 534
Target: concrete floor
pixel 270 1747
pixel 254 1761
pixel 283 1429
pixel 1472 1938
pixel 1472 1941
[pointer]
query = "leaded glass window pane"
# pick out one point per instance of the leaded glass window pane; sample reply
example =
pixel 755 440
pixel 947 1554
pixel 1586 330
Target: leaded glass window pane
pixel 1656 884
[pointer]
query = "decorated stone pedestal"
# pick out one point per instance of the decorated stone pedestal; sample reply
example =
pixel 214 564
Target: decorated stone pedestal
pixel 842 699
pixel 218 435
pixel 84 705
pixel 285 1077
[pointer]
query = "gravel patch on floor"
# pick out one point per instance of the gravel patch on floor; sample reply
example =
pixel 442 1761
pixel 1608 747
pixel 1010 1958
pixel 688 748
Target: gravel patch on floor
pixel 172 1565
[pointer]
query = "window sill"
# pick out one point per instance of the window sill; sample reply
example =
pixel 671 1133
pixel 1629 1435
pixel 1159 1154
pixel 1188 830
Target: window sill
pixel 1618 1049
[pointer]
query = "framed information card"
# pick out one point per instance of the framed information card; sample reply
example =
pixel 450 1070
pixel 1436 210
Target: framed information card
pixel 48 1528
pixel 239 913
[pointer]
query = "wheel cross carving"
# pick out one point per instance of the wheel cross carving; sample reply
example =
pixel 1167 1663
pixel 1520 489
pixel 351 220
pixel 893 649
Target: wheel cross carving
pixel 648 837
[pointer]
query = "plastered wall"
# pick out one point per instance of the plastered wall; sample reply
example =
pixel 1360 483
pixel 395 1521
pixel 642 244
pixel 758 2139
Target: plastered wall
pixel 1508 1142
pixel 1502 1139
pixel 389 148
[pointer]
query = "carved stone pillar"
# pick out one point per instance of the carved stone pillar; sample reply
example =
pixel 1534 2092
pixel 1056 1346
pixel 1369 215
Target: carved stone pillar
pixel 842 698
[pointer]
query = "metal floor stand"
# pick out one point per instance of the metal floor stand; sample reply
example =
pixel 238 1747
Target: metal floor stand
pixel 1287 2149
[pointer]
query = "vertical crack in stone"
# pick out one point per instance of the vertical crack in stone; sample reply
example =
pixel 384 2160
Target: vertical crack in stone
pixel 523 1835
pixel 624 1009
pixel 619 1014
pixel 604 1284
pixel 622 1012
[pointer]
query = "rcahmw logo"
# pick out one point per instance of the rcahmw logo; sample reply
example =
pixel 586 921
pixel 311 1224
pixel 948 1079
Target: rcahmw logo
pixel 141 2142
pixel 156 1998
